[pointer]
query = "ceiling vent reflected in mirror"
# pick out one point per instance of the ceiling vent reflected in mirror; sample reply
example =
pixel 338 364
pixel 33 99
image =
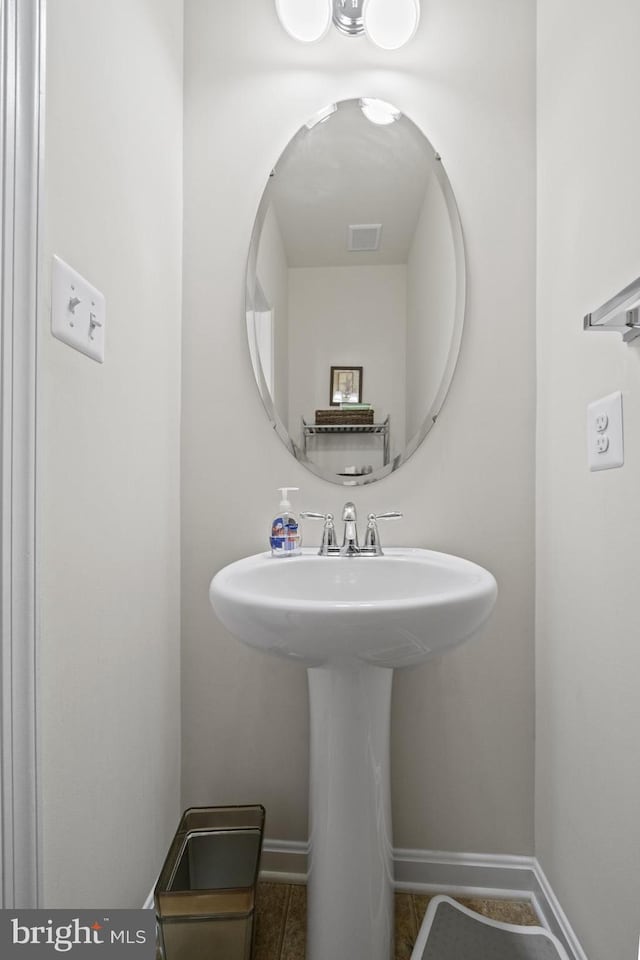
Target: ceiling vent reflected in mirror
pixel 364 236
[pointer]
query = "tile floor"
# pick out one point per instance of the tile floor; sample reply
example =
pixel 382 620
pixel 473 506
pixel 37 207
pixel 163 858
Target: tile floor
pixel 280 928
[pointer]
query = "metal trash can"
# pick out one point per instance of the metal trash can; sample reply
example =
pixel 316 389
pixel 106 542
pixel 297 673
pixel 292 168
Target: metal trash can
pixel 205 897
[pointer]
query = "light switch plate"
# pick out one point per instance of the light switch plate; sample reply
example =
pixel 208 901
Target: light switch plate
pixel 77 311
pixel 605 443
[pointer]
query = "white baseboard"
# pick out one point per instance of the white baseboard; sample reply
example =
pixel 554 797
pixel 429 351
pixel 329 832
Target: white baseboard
pixel 432 870
pixel 436 871
pixel 284 861
pixel 555 917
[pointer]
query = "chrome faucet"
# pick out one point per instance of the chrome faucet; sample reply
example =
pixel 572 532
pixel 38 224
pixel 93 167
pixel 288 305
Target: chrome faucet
pixel 350 545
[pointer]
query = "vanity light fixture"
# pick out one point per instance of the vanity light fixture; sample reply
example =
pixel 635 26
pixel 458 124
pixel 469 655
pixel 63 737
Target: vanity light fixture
pixel 305 20
pixel 388 23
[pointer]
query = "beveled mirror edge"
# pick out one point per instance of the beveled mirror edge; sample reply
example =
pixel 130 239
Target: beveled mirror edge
pixel 457 235
pixel 251 279
pixel 452 357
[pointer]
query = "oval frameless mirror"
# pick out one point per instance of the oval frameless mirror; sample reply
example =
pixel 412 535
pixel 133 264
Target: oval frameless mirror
pixel 355 291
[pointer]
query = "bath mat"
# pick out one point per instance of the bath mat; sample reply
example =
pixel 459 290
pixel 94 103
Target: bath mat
pixel 453 932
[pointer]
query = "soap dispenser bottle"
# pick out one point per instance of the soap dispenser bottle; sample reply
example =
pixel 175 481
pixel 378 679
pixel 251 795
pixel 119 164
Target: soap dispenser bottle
pixel 285 534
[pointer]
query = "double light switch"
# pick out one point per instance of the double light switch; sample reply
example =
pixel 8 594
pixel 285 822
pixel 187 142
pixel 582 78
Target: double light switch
pixel 77 311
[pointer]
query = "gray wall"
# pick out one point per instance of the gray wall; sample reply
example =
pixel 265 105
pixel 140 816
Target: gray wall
pixel 588 655
pixel 108 454
pixel 462 725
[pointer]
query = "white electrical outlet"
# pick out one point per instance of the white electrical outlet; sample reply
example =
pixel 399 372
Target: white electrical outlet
pixel 77 311
pixel 605 444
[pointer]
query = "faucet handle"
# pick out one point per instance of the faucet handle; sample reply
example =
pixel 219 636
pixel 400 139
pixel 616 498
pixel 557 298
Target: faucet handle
pixel 372 538
pixel 328 531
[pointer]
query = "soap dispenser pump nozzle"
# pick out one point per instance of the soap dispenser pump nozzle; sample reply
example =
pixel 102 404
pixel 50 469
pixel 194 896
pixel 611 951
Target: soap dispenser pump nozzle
pixel 285 503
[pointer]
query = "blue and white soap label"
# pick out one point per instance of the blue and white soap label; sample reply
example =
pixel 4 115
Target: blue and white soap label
pixel 80 934
pixel 285 537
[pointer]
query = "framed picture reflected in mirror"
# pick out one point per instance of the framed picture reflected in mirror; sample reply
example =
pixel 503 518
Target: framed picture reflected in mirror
pixel 345 386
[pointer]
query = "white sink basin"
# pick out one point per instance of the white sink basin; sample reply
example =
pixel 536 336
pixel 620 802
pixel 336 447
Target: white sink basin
pixel 391 611
pixel 351 621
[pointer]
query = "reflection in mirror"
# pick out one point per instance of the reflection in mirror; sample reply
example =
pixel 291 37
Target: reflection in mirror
pixel 355 291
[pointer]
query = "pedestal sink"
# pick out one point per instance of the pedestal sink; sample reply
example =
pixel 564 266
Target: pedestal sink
pixel 351 621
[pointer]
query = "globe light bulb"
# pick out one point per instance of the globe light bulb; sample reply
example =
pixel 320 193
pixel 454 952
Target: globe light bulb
pixel 305 20
pixel 390 23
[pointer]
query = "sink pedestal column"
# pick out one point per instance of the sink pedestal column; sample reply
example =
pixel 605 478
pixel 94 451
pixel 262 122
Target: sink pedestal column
pixel 350 886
